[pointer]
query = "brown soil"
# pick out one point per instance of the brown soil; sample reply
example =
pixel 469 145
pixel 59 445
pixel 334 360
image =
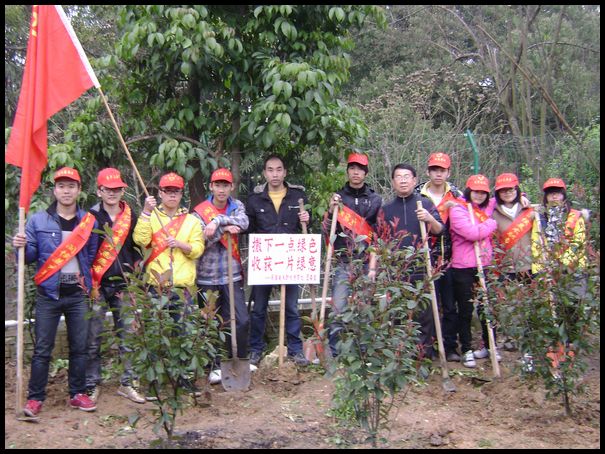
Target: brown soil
pixel 286 408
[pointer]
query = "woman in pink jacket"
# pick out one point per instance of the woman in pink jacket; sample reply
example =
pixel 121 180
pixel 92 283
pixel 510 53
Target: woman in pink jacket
pixel 464 263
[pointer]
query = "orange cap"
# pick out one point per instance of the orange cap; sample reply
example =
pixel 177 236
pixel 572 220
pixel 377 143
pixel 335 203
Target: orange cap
pixel 110 178
pixel 358 158
pixel 478 183
pixel 172 180
pixel 221 175
pixel 67 172
pixel 554 183
pixel 440 160
pixel 506 180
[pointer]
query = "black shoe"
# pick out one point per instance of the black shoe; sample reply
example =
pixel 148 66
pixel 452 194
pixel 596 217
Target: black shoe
pixel 190 387
pixel 299 359
pixel 453 356
pixel 255 358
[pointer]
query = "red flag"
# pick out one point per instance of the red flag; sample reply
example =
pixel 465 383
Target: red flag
pixel 57 72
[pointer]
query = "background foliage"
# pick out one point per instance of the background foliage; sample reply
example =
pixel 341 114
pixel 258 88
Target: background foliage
pixel 194 87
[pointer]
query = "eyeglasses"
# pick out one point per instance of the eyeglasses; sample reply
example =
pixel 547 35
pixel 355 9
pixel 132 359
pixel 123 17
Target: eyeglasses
pixel 172 191
pixel 403 177
pixel 507 190
pixel 105 190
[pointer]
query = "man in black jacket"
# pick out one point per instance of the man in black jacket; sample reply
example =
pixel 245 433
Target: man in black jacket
pixel 273 208
pixel 357 196
pixel 401 215
pixel 115 256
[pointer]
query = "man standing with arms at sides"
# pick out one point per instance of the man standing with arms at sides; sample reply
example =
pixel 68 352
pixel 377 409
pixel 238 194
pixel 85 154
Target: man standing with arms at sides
pixel 221 215
pixel 361 205
pixel 440 191
pixel 403 217
pixel 115 256
pixel 61 241
pixel 273 208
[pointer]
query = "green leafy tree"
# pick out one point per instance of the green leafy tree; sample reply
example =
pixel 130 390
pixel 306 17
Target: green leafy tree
pixel 207 85
pixel 378 351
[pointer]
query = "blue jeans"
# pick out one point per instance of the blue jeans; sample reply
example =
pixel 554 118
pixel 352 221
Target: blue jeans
pixel 258 319
pixel 341 290
pixel 109 298
pixel 48 313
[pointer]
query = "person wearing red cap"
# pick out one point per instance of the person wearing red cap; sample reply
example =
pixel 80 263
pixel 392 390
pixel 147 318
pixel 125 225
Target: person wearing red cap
pixel 564 229
pixel 115 255
pixel 176 241
pixel 363 204
pixel 273 208
pixel 440 191
pixel 464 263
pixel 401 218
pixel 222 215
pixel 62 243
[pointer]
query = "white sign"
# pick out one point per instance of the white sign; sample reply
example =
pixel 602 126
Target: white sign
pixel 284 259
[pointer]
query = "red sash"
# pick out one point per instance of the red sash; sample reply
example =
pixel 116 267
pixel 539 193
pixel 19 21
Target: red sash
pixel 109 250
pixel 354 222
pixel 570 223
pixel 444 213
pixel 520 226
pixel 67 250
pixel 208 212
pixel 159 239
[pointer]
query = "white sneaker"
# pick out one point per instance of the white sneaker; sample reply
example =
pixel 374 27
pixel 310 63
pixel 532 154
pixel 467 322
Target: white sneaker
pixel 131 393
pixel 215 377
pixel 253 368
pixel 484 353
pixel 468 360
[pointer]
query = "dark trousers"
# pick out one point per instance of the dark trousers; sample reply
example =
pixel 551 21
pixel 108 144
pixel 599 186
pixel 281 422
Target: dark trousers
pixel 423 315
pixel 465 283
pixel 259 317
pixel 242 321
pixel 109 298
pixel 48 312
pixel 444 287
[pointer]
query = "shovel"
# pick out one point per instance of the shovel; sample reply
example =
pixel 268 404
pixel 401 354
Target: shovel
pixel 447 383
pixel 235 372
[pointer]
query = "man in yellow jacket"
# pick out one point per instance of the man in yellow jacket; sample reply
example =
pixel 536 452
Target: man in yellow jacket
pixel 176 241
pixel 174 236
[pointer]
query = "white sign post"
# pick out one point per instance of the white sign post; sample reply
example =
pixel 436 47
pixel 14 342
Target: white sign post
pixel 282 258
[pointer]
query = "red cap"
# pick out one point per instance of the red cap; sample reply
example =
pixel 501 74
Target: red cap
pixel 358 158
pixel 67 172
pixel 110 178
pixel 478 183
pixel 221 175
pixel 440 160
pixel 554 183
pixel 172 180
pixel 506 180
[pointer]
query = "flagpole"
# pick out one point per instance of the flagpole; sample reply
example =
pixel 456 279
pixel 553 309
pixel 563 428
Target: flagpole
pixel 136 171
pixel 20 303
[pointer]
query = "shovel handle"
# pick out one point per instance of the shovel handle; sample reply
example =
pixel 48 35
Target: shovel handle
pixel 429 272
pixel 324 292
pixel 231 296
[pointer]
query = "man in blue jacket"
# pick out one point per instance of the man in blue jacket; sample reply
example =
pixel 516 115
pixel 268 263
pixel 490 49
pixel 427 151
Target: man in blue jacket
pixel 60 240
pixel 273 208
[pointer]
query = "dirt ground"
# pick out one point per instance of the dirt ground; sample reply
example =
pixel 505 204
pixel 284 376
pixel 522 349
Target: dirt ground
pixel 286 408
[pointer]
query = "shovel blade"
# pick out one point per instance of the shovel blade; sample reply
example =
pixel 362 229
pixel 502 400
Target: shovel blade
pixel 235 374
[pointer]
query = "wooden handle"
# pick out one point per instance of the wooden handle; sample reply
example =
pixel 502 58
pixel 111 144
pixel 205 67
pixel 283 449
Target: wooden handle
pixel 231 296
pixel 324 292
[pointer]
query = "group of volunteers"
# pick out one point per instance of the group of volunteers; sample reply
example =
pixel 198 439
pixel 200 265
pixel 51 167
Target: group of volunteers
pixel 188 255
